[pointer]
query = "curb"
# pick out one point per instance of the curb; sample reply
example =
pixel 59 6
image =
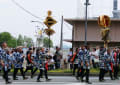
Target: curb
pixel 55 74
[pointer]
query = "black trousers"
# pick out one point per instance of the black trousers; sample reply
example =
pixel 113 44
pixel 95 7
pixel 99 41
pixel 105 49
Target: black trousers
pixel 85 72
pixel 110 73
pixel 101 74
pixel 116 70
pixel 29 68
pixel 75 66
pixel 41 73
pixel 5 74
pixel 16 71
pixel 79 71
pixel 34 71
pixel 56 65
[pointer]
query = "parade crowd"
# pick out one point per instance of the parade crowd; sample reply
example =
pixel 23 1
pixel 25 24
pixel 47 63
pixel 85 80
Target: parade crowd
pixel 106 59
pixel 13 59
pixel 36 59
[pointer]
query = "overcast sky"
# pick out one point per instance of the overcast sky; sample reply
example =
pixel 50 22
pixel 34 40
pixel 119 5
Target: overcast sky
pixel 16 21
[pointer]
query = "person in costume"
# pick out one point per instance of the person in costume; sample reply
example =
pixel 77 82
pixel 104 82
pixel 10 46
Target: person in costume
pixel 43 65
pixel 5 62
pixel 86 65
pixel 36 61
pixel 80 62
pixel 102 63
pixel 30 61
pixel 75 60
pixel 116 62
pixel 108 63
pixel 18 61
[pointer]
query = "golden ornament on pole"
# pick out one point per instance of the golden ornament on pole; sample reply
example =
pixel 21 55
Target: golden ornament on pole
pixel 49 22
pixel 49 13
pixel 49 32
pixel 104 22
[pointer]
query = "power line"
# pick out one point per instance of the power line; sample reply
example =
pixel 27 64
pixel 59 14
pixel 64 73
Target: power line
pixel 21 7
pixel 17 4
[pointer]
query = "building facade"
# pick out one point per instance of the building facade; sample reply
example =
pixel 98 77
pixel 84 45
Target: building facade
pixel 93 32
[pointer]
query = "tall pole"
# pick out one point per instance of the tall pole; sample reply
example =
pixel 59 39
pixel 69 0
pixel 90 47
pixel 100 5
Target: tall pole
pixel 86 21
pixel 49 42
pixel 73 39
pixel 61 41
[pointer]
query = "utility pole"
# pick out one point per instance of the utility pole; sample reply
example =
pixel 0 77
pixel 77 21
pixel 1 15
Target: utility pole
pixel 61 41
pixel 73 39
pixel 86 20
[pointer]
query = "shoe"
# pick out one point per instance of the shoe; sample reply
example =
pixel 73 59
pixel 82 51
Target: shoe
pixel 48 79
pixel 15 79
pixel 25 78
pixel 41 77
pixel 9 78
pixel 31 76
pixel 112 78
pixel 77 77
pixel 82 80
pixel 8 82
pixel 38 81
pixel 88 82
pixel 101 80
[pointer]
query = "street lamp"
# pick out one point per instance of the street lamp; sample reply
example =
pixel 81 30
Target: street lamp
pixel 86 20
pixel 38 36
pixel 39 22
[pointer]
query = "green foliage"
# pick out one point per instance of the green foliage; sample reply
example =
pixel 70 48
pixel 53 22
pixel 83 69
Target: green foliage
pixel 28 40
pixel 13 42
pixel 20 40
pixel 5 37
pixel 8 38
pixel 46 42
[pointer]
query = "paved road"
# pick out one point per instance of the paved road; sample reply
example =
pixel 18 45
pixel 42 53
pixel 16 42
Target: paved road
pixel 58 80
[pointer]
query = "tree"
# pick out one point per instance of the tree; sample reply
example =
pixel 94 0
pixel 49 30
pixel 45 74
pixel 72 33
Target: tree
pixel 20 40
pixel 12 42
pixel 8 38
pixel 5 37
pixel 28 40
pixel 46 42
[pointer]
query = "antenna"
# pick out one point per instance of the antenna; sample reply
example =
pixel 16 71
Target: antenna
pixel 116 12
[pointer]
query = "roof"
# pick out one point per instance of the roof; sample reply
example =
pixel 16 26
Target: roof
pixel 73 20
pixel 69 40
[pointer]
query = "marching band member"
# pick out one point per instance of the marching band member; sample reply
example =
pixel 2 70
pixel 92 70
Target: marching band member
pixel 43 65
pixel 86 65
pixel 18 59
pixel 75 61
pixel 108 63
pixel 5 63
pixel 102 64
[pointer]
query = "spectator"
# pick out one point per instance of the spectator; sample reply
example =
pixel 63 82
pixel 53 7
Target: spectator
pixel 57 58
pixel 69 58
